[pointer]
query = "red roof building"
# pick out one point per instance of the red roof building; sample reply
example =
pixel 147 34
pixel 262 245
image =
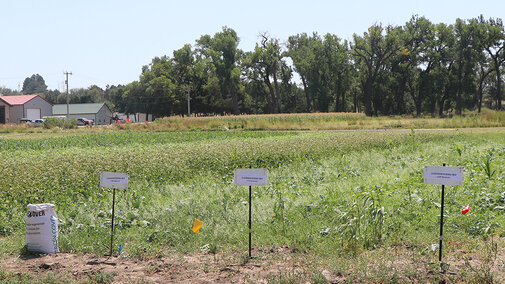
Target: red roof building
pixel 17 100
pixel 14 108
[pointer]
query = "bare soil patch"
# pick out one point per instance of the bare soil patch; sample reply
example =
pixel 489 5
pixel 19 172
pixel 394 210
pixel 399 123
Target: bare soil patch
pixel 382 265
pixel 196 268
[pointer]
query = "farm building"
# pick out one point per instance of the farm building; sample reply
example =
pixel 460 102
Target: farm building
pixel 14 108
pixel 98 112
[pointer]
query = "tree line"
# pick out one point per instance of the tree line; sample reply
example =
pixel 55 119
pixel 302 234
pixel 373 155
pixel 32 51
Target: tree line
pixel 418 68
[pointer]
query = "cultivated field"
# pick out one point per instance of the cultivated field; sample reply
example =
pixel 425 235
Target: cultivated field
pixel 348 207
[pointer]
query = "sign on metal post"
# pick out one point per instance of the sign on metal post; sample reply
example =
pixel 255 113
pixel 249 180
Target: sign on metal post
pixel 250 177
pixel 443 176
pixel 113 180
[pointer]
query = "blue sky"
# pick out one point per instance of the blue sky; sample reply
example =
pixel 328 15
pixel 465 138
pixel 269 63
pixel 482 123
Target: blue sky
pixel 108 41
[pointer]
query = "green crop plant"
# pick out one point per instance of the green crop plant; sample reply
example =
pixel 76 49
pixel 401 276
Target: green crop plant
pixel 361 226
pixel 487 165
pixel 458 148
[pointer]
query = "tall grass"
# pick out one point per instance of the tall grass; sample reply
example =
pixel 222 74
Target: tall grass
pixel 325 121
pixel 304 121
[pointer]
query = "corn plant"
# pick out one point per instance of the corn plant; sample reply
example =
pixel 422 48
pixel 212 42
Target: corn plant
pixel 362 225
pixel 487 165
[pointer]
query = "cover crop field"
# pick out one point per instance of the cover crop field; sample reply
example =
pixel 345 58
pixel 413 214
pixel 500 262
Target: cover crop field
pixel 352 204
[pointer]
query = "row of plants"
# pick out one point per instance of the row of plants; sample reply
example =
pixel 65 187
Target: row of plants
pixel 274 122
pixel 322 121
pixel 58 141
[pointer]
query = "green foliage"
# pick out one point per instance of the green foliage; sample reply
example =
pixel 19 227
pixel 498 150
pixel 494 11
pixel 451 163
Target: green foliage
pixel 371 53
pixel 221 55
pixel 8 92
pixel 266 67
pixel 362 225
pixel 319 121
pixel 285 278
pixel 34 84
pixel 25 278
pixel 101 277
pixel 62 123
pixel 458 148
pixel 487 165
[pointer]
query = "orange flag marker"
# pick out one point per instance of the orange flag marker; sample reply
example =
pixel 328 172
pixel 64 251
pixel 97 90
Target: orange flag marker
pixel 197 224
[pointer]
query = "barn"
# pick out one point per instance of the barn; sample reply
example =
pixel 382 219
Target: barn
pixel 98 112
pixel 14 108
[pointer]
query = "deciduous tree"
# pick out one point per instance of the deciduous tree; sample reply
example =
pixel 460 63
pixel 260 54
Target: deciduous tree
pixel 34 84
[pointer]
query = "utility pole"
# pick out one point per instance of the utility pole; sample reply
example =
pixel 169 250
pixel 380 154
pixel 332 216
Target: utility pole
pixel 188 90
pixel 189 107
pixel 66 83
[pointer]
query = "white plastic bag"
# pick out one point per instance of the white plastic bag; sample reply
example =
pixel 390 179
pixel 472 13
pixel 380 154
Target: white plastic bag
pixel 42 228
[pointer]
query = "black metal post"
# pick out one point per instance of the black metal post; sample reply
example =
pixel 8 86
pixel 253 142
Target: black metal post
pixel 441 223
pixel 112 227
pixel 250 199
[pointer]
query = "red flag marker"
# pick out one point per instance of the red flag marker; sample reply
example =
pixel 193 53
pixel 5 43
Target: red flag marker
pixel 466 209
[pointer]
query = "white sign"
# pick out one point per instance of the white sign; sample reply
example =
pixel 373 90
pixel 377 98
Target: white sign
pixel 250 177
pixel 114 180
pixel 443 175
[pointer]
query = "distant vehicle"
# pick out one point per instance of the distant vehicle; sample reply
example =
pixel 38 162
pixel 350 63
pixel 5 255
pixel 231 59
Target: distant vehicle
pixel 85 121
pixel 38 122
pixel 25 120
pixel 54 116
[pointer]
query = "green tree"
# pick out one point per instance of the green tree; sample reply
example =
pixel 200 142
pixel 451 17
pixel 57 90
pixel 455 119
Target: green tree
pixel 8 92
pixel 493 41
pixel 159 97
pixel 371 53
pixel 182 70
pixel 301 53
pixel 222 52
pixel 325 69
pixel 133 98
pixel 114 95
pixel 413 62
pixel 154 93
pixel 51 96
pixel 266 67
pixel 34 84
pixel 466 50
pixel 92 94
pixel 336 66
pixel 442 81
